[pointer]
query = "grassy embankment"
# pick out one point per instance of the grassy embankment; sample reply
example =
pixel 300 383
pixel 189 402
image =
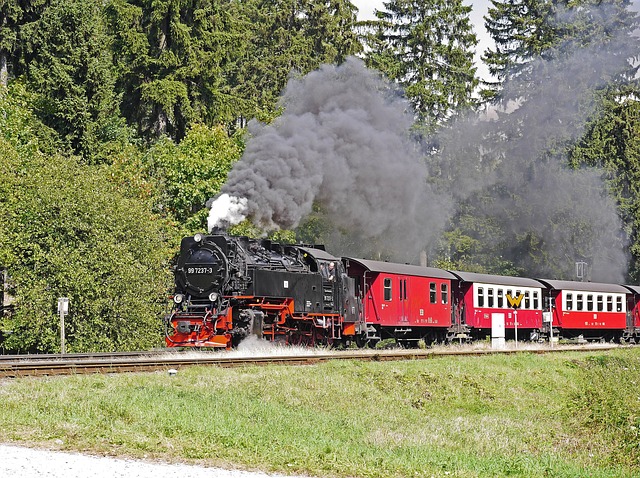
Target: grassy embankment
pixel 572 414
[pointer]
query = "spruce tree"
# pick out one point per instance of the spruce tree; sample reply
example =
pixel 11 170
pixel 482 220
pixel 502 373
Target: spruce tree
pixel 13 15
pixel 67 62
pixel 427 47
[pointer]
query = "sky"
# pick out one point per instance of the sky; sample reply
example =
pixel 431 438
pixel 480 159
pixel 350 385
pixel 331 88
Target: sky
pixel 367 7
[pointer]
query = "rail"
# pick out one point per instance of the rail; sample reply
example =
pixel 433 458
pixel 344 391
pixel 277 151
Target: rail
pixel 48 365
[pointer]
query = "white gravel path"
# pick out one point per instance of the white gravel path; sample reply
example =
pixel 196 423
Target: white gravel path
pixel 21 462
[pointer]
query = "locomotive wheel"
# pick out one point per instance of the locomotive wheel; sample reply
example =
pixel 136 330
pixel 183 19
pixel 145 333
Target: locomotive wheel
pixel 362 341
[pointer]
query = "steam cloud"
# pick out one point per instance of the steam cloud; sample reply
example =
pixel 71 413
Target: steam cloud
pixel 517 179
pixel 343 143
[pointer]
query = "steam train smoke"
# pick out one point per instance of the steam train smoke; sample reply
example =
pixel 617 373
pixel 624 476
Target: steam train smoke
pixel 227 210
pixel 512 172
pixel 343 144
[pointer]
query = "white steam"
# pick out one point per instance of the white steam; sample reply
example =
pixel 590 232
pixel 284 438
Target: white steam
pixel 226 210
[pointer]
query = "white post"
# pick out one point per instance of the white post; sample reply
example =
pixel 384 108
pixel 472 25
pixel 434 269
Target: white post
pixel 547 317
pixel 497 331
pixel 63 309
pixel 515 324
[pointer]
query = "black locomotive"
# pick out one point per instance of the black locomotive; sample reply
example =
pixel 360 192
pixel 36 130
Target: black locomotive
pixel 228 287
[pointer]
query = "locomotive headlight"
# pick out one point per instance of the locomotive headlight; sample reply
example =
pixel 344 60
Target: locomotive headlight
pixel 198 237
pixel 213 297
pixel 178 298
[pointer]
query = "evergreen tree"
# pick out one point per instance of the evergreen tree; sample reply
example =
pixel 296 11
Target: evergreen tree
pixel 68 63
pixel 521 31
pixel 220 61
pixel 528 30
pixel 290 37
pixel 427 47
pixel 174 59
pixel 13 15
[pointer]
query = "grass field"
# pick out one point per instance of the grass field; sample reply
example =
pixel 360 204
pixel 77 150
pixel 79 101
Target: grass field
pixel 528 415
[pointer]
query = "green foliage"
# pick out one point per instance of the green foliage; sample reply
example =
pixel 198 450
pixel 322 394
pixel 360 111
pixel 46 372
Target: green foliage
pixel 68 231
pixel 192 172
pixel 14 14
pixel 19 126
pixel 288 37
pixel 172 57
pixel 68 63
pixel 526 30
pixel 220 61
pixel 521 31
pixel 427 47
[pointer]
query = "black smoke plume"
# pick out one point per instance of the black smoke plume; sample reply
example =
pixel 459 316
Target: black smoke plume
pixel 511 171
pixel 343 143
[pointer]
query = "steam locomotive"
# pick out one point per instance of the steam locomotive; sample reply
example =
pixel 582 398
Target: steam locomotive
pixel 230 287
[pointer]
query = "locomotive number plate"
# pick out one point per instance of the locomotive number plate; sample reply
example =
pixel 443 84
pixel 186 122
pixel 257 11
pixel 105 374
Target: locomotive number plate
pixel 199 270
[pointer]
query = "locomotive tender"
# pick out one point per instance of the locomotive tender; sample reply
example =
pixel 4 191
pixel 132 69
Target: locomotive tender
pixel 230 287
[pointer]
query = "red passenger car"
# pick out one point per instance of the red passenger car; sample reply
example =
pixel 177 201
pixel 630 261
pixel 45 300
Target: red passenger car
pixel 405 302
pixel 484 299
pixel 632 333
pixel 588 310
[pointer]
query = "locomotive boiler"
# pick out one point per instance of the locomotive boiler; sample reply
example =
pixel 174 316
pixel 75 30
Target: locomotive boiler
pixel 229 287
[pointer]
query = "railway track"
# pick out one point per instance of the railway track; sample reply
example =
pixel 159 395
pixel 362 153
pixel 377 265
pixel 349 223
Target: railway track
pixel 12 366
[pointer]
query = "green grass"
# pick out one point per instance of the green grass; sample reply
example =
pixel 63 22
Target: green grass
pixel 559 415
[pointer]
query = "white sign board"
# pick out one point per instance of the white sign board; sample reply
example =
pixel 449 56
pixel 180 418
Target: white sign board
pixel 63 305
pixel 497 331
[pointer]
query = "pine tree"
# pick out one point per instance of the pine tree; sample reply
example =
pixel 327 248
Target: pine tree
pixel 521 31
pixel 427 47
pixel 290 37
pixel 67 61
pixel 172 57
pixel 13 15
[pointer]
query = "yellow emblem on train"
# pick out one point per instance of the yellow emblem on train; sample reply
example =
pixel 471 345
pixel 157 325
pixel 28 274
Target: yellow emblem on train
pixel 514 302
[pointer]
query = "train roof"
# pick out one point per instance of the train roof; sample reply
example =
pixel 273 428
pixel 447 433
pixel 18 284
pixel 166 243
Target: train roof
pixel 404 269
pixel 495 279
pixel 584 286
pixel 319 254
pixel 633 288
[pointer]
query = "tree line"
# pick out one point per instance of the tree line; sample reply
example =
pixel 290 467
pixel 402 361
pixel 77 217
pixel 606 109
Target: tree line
pixel 119 119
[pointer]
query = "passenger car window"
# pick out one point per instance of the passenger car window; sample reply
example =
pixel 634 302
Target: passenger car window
pixel 387 289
